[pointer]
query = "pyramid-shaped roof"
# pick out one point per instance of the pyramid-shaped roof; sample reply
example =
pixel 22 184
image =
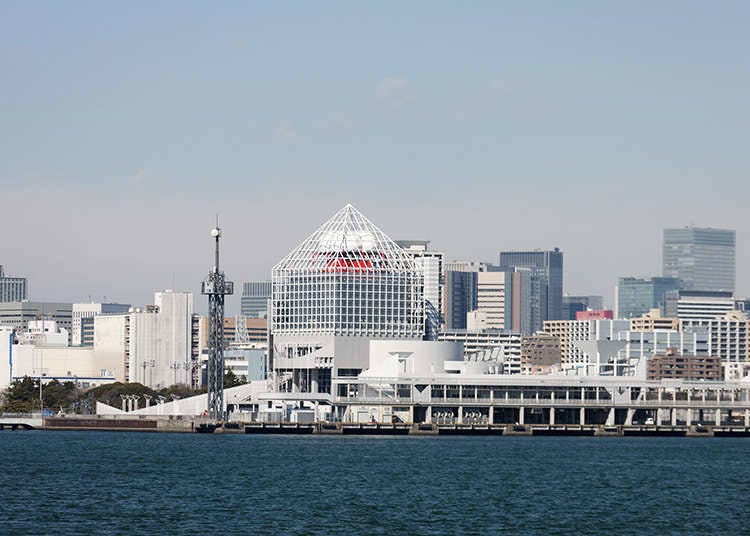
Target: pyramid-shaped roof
pixel 348 242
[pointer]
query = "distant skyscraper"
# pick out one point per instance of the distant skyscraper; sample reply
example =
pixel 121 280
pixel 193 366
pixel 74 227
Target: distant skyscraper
pixel 703 259
pixel 12 289
pixel 460 297
pixel 636 296
pixel 254 300
pixel 546 281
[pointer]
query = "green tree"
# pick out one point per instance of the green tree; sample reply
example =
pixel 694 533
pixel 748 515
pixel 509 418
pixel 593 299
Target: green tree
pixel 232 380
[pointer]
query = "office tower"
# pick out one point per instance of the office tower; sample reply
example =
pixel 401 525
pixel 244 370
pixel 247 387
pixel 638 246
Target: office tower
pixel 702 258
pixel 431 264
pixel 460 297
pixel 89 310
pixel 254 300
pixel 491 298
pixel 546 281
pixel 637 296
pixel 12 289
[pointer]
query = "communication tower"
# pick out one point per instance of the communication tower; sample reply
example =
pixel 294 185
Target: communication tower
pixel 216 287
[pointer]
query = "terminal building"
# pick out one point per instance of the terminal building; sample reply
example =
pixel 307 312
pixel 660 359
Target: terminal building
pixel 347 345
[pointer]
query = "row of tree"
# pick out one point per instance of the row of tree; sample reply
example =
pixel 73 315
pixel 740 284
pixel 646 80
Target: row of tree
pixel 24 394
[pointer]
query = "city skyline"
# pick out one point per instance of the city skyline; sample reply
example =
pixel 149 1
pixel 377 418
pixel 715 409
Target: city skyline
pixel 550 127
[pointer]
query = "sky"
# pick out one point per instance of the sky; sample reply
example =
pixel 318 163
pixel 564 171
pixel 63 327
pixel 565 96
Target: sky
pixel 125 128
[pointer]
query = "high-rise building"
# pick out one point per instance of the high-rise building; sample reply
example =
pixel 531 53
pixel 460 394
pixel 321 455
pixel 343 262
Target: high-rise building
pixel 546 281
pixel 254 300
pixel 460 297
pixel 637 296
pixel 12 289
pixel 89 310
pixel 491 298
pixel 431 264
pixel 702 258
pixel 345 285
pixel 152 343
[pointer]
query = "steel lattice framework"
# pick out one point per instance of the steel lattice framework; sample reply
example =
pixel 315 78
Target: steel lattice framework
pixel 348 278
pixel 216 287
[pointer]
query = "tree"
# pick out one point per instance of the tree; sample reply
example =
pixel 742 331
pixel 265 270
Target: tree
pixel 231 379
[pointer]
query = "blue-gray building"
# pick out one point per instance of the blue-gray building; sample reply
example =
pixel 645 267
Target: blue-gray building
pixel 702 258
pixel 636 296
pixel 461 297
pixel 254 300
pixel 575 304
pixel 546 279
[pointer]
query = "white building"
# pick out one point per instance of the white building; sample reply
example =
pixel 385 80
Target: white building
pixel 89 310
pixel 431 264
pixel 704 306
pixel 729 336
pixel 584 343
pixel 345 285
pixel 21 357
pixel 152 344
pixel 160 341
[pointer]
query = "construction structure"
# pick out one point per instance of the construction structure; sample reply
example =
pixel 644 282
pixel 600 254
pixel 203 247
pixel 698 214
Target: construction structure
pixel 216 287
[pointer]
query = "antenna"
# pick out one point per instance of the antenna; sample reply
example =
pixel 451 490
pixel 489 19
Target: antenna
pixel 216 287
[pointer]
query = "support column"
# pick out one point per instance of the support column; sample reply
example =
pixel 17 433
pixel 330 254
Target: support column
pixel 552 415
pixel 582 418
pixel 629 417
pixel 688 416
pixel 428 414
pixel 718 417
pixel 611 417
pixel 411 414
pixel 491 415
pixel 460 415
pixel 747 417
pixel 521 411
pixel 674 416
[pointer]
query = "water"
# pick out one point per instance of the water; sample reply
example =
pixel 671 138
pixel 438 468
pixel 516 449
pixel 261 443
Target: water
pixel 131 483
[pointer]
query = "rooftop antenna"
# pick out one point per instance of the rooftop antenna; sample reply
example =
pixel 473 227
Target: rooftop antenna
pixel 216 287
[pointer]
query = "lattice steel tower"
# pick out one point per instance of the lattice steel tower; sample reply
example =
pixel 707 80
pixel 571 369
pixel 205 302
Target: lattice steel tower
pixel 216 287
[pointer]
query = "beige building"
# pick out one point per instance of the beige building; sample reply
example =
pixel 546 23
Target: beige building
pixel 654 320
pixel 491 298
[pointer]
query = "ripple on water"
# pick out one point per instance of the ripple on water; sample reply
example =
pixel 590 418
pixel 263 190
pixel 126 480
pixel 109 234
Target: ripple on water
pixel 131 483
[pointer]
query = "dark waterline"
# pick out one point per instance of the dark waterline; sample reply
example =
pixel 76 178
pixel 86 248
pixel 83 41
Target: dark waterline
pixel 132 483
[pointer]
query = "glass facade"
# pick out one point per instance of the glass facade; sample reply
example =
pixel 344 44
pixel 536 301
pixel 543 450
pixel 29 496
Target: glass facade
pixel 703 259
pixel 636 296
pixel 254 300
pixel 547 282
pixel 348 278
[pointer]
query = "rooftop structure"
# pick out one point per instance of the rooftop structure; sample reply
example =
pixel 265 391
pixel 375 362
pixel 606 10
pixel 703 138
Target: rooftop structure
pixel 348 278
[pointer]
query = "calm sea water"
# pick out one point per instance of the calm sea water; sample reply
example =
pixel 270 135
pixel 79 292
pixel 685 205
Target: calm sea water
pixel 132 483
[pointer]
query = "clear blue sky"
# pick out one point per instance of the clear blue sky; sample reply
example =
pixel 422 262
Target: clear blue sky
pixel 481 126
